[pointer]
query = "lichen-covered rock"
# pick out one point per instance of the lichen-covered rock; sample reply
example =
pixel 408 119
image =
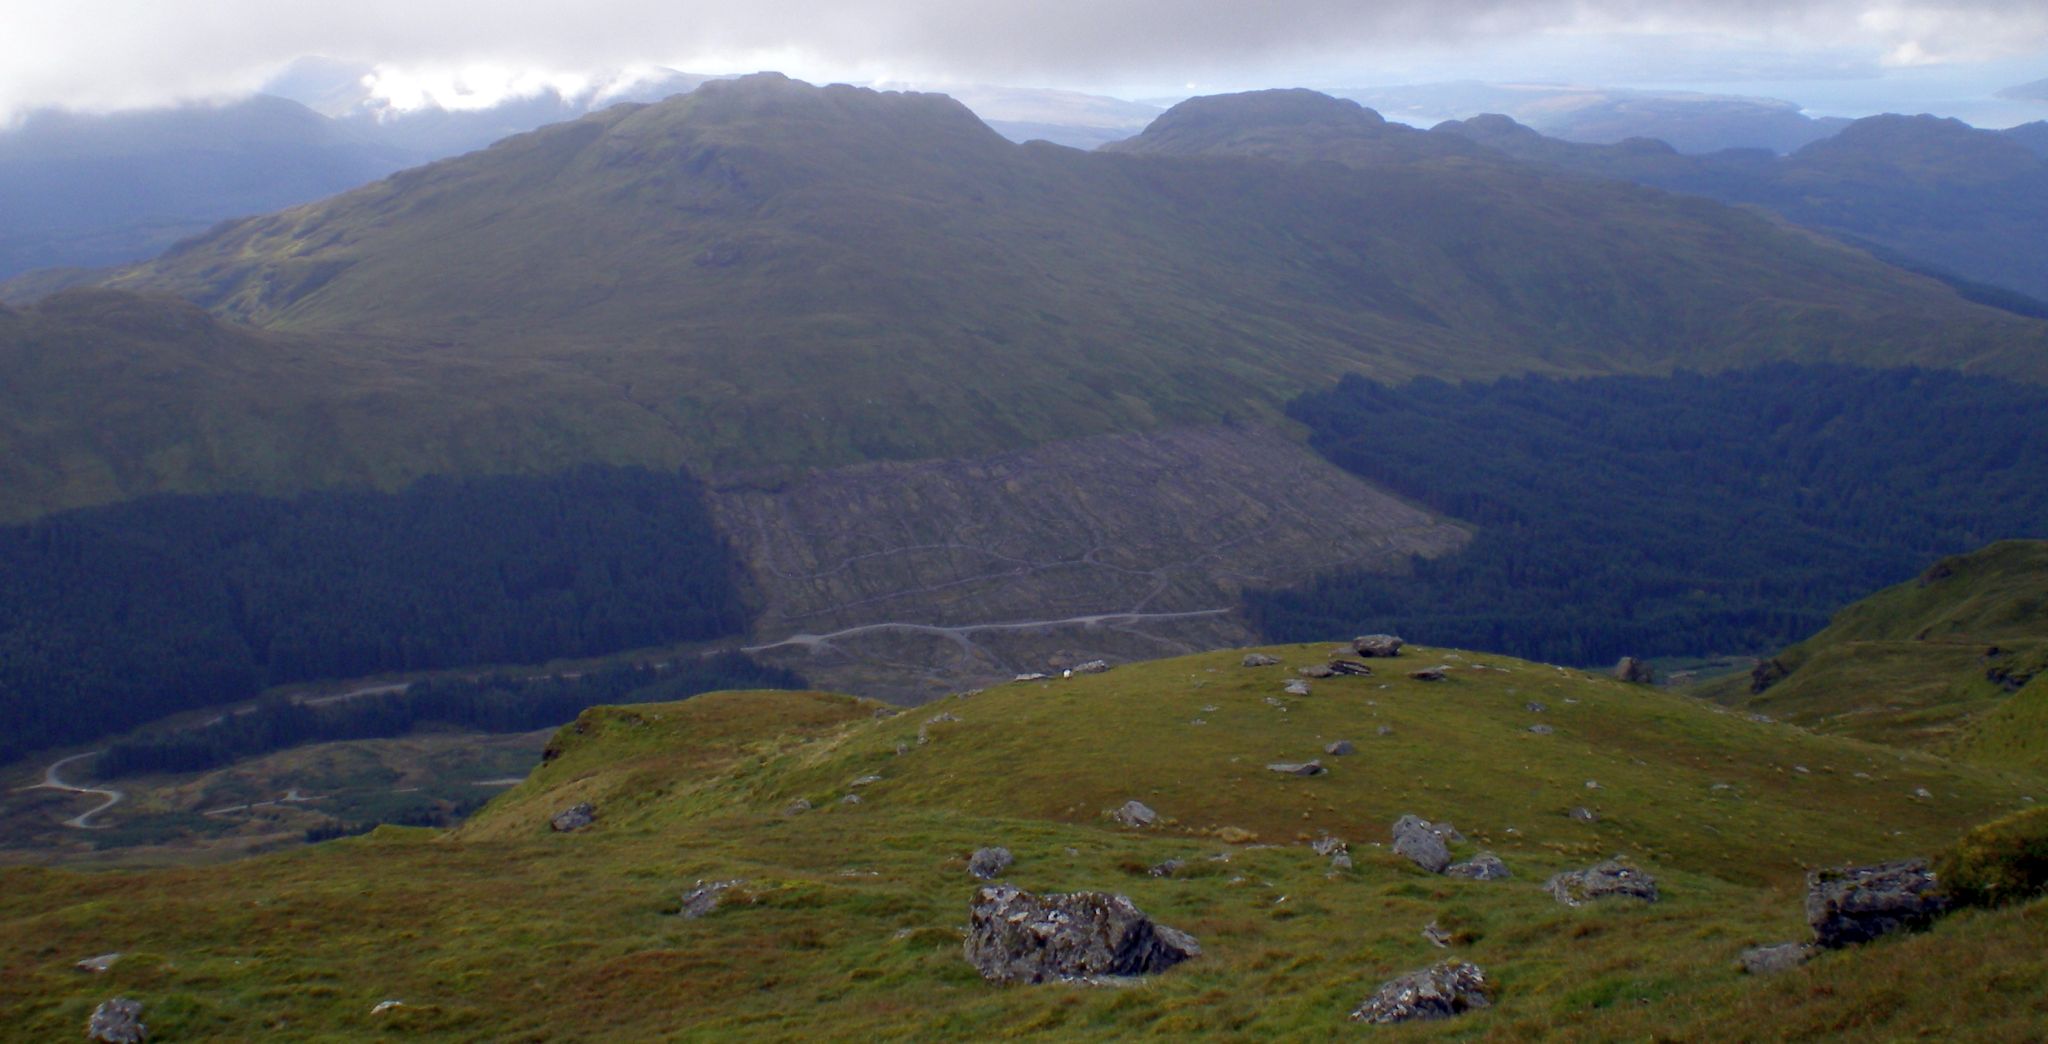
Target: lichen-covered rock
pixel 574 818
pixel 1483 867
pixel 988 863
pixel 1415 838
pixel 1854 904
pixel 1135 814
pixel 118 1021
pixel 1014 936
pixel 1260 660
pixel 1439 992
pixel 1612 878
pixel 1291 768
pixel 1377 645
pixel 1767 960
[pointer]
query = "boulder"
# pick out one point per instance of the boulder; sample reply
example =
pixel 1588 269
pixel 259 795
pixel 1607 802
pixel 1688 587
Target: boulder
pixel 1327 845
pixel 1091 667
pixel 1350 667
pixel 1260 660
pixel 1305 768
pixel 1634 671
pixel 1767 960
pixel 1428 674
pixel 1316 670
pixel 1014 936
pixel 97 964
pixel 1541 729
pixel 1415 839
pixel 1483 867
pixel 1535 708
pixel 1854 904
pixel 1378 645
pixel 1600 881
pixel 1450 988
pixel 1340 861
pixel 704 898
pixel 118 1021
pixel 1168 868
pixel 1135 814
pixel 1341 748
pixel 797 807
pixel 1297 687
pixel 574 818
pixel 988 863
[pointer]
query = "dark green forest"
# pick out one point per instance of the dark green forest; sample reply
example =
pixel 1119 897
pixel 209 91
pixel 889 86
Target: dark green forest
pixel 1649 516
pixel 494 703
pixel 115 616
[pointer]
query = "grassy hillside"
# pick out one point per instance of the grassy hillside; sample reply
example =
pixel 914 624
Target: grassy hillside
pixel 776 275
pixel 1932 662
pixel 847 922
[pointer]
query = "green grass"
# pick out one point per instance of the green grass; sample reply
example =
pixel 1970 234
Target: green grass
pixel 847 926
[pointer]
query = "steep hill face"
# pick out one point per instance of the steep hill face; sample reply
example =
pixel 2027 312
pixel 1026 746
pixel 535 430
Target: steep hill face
pixel 1956 659
pixel 783 273
pixel 841 919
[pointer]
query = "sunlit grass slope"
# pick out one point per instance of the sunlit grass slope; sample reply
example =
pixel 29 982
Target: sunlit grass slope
pixel 847 925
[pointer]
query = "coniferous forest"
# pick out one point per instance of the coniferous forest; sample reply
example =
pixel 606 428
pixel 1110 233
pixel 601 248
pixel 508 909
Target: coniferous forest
pixel 1686 515
pixel 115 616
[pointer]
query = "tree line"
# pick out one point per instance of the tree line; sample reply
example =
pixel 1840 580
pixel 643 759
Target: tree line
pixel 1654 516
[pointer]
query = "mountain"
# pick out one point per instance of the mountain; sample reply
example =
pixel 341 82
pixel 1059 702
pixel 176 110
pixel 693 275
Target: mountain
pixel 1294 125
pixel 1955 659
pixel 1692 123
pixel 842 919
pixel 1964 202
pixel 2035 91
pixel 95 190
pixel 2032 135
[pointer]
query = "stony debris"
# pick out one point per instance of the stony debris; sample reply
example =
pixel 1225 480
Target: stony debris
pixel 1415 839
pixel 1450 988
pixel 1260 660
pixel 989 863
pixel 1316 670
pixel 1168 868
pixel 574 818
pixel 1634 671
pixel 1584 814
pixel 1535 708
pixel 118 1021
pixel 1483 867
pixel 1601 880
pixel 1429 674
pixel 1135 814
pixel 97 964
pixel 1350 667
pixel 1014 936
pixel 1767 960
pixel 1377 645
pixel 1297 687
pixel 941 718
pixel 1854 904
pixel 1341 748
pixel 705 898
pixel 1091 667
pixel 1541 729
pixel 1305 768
pixel 1327 845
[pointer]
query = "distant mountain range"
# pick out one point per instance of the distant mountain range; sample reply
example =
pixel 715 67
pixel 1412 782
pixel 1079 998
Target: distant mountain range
pixel 1687 121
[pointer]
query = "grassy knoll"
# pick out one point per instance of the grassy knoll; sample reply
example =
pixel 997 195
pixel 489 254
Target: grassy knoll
pixel 847 925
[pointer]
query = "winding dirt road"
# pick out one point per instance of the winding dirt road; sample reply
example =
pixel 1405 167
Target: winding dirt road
pixel 959 633
pixel 52 781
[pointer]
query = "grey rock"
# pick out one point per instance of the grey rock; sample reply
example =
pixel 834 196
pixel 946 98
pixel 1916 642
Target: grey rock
pixel 1483 867
pixel 118 1021
pixel 1767 960
pixel 1289 768
pixel 941 718
pixel 1014 936
pixel 1854 904
pixel 1535 708
pixel 1600 881
pixel 1168 868
pixel 1297 687
pixel 1327 845
pixel 865 781
pixel 1541 729
pixel 1436 935
pixel 1091 667
pixel 1341 748
pixel 1260 660
pixel 989 863
pixel 1584 814
pixel 574 818
pixel 850 799
pixel 704 898
pixel 1439 992
pixel 97 964
pixel 1385 730
pixel 1635 671
pixel 1316 670
pixel 797 807
pixel 1428 674
pixel 1135 814
pixel 1340 861
pixel 1031 676
pixel 1350 667
pixel 1415 839
pixel 1378 645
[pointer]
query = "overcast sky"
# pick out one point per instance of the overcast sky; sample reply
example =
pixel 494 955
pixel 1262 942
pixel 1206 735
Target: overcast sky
pixel 1834 55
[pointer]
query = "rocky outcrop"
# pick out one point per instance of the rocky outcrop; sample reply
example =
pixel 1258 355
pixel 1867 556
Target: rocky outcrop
pixel 1260 660
pixel 1091 667
pixel 1768 960
pixel 1766 674
pixel 1377 645
pixel 118 1021
pixel 1610 879
pixel 1439 992
pixel 1854 904
pixel 1415 838
pixel 1135 814
pixel 1483 867
pixel 574 818
pixel 989 863
pixel 1014 936
pixel 1634 671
